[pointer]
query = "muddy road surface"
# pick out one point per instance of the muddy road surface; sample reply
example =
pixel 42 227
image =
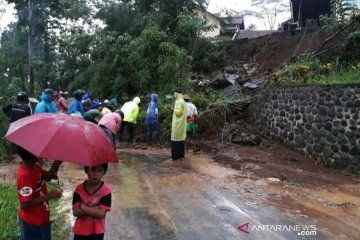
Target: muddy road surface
pixel 198 198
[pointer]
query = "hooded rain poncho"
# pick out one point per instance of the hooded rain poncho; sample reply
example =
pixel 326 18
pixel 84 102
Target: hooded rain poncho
pixel 152 116
pixel 178 126
pixel 46 105
pixel 131 110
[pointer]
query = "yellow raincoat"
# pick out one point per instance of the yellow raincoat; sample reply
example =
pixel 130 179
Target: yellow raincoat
pixel 178 127
pixel 131 110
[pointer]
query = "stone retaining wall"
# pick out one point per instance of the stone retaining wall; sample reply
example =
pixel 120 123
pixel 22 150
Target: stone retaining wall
pixel 320 121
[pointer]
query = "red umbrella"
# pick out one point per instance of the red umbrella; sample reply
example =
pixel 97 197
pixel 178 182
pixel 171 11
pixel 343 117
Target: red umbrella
pixel 62 137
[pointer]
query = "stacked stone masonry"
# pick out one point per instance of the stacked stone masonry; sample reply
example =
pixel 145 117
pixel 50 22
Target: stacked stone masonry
pixel 320 121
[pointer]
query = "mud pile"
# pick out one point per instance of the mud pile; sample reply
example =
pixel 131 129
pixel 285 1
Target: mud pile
pixel 273 51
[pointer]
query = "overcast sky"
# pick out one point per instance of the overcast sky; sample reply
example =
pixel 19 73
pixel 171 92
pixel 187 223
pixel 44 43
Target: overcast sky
pixel 214 6
pixel 7 17
pixel 241 5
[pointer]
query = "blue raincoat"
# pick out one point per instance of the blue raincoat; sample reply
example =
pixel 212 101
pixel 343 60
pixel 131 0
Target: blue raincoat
pixel 76 106
pixel 152 116
pixel 45 105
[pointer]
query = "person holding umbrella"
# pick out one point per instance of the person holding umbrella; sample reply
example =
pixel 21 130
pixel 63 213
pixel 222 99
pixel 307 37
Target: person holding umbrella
pixel 50 135
pixel 34 214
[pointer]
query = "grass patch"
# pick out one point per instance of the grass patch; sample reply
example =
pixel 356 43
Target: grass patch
pixel 9 208
pixel 345 76
pixel 313 72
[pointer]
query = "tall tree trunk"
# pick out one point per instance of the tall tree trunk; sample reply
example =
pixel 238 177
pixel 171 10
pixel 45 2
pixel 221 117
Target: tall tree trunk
pixel 31 46
pixel 21 72
pixel 47 60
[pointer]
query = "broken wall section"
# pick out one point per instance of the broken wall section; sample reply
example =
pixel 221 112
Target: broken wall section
pixel 320 121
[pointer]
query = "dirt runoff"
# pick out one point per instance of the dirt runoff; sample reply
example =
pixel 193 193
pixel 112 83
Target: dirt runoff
pixel 211 198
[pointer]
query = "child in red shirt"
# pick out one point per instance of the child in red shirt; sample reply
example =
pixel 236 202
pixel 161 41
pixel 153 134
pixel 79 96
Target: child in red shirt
pixel 34 214
pixel 91 201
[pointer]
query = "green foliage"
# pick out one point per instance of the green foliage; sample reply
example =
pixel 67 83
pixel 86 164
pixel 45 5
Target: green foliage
pixel 131 20
pixel 314 72
pixel 207 56
pixel 143 45
pixel 349 53
pixel 8 91
pixel 9 207
pixel 4 145
pixel 340 16
pixel 133 65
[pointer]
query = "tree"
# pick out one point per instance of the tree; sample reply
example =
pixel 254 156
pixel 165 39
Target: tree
pixel 341 13
pixel 269 10
pixel 43 22
pixel 251 27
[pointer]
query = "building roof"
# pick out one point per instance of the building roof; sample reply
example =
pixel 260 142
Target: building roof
pixel 232 20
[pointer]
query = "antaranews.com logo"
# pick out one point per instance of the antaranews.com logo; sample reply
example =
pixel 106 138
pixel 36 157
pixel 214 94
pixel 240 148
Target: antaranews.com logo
pixel 302 230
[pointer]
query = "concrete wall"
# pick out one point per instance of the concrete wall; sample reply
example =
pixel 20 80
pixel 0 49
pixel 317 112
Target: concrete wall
pixel 319 121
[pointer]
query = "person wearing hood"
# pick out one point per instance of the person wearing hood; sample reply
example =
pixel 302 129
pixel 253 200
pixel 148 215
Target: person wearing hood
pixel 76 106
pixel 110 124
pixel 46 105
pixel 178 126
pixel 152 120
pixel 131 111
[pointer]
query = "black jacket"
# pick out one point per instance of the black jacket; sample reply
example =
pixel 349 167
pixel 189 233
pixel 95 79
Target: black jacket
pixel 17 110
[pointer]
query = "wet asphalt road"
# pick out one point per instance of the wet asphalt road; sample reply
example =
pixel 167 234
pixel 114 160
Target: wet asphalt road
pixel 155 198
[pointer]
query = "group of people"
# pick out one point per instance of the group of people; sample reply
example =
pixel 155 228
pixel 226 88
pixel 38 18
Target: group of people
pixel 92 198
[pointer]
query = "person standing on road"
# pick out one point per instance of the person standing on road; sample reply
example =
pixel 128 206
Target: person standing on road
pixel 76 106
pixel 110 124
pixel 191 114
pixel 152 120
pixel 115 101
pixel 131 111
pixel 46 105
pixel 18 110
pixel 91 202
pixel 60 102
pixel 178 126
